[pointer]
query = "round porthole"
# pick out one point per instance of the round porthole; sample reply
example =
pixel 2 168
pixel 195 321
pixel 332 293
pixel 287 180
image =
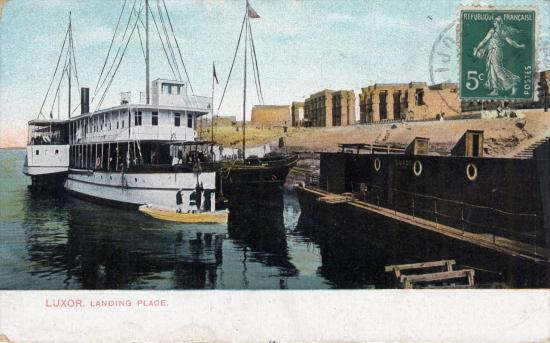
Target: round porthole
pixel 471 171
pixel 377 164
pixel 417 168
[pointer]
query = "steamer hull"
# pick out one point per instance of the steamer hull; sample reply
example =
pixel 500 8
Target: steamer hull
pixel 134 189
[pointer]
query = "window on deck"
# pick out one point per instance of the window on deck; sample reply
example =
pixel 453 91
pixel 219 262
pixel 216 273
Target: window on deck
pixel 177 119
pixel 155 119
pixel 137 118
pixel 189 121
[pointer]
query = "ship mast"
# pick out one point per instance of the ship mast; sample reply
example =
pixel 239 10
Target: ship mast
pixel 244 93
pixel 147 95
pixel 69 70
pixel 249 13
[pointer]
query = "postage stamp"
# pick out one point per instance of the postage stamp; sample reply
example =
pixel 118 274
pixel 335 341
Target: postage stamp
pixel 497 53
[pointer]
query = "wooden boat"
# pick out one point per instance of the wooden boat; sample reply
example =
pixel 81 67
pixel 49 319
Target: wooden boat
pixel 163 213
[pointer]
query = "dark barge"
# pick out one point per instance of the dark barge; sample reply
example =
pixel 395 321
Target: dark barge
pixel 492 212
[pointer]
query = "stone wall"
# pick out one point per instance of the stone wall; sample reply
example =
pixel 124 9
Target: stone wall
pixel 329 108
pixel 271 115
pixel 410 101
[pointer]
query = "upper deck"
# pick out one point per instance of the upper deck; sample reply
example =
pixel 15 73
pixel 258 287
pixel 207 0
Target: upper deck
pixel 171 116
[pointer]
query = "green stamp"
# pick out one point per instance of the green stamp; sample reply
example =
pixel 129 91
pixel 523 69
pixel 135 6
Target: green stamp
pixel 497 53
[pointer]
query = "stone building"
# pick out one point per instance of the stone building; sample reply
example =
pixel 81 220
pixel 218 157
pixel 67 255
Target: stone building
pixel 270 115
pixel 415 100
pixel 329 108
pixel 297 111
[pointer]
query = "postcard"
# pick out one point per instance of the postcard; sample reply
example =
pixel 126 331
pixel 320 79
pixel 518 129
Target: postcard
pixel 274 171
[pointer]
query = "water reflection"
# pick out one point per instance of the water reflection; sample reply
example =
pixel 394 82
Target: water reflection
pixel 259 229
pixel 71 243
pixel 99 247
pixel 348 258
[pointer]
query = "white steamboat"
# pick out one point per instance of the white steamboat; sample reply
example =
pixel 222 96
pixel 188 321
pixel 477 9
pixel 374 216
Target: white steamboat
pixel 131 154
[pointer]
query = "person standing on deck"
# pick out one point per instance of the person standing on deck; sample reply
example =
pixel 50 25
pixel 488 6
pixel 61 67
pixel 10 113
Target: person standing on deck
pixel 179 201
pixel 198 190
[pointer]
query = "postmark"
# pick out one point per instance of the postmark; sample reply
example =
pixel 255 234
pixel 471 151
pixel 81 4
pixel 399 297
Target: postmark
pixel 443 60
pixel 497 53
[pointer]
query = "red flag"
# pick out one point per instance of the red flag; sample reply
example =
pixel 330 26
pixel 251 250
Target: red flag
pixel 252 14
pixel 214 73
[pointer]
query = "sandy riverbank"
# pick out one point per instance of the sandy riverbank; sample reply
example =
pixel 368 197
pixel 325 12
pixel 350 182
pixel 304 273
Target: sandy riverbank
pixel 503 136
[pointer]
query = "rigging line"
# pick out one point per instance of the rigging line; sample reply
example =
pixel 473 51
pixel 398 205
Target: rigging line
pixel 255 61
pixel 139 17
pixel 71 44
pixel 254 67
pixel 141 42
pixel 169 42
pixel 136 13
pixel 162 43
pixel 54 73
pixel 65 70
pixel 139 33
pixel 178 46
pixel 110 46
pixel 232 64
pixel 255 78
pixel 65 66
pixel 106 76
pixel 119 62
pixel 96 91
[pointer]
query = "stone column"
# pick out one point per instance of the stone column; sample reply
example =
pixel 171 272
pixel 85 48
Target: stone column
pixel 375 106
pixel 328 109
pixel 351 109
pixel 411 103
pixel 389 105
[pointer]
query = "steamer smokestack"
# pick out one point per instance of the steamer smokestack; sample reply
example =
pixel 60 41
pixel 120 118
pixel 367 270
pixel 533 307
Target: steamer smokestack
pixel 84 100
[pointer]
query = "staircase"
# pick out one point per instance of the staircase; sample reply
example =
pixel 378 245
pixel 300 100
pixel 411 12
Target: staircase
pixel 528 152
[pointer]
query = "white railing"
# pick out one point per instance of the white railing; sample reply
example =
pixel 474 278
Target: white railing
pixel 199 102
pixel 161 133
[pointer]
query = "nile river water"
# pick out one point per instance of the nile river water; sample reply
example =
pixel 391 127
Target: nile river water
pixel 51 241
pixel 55 241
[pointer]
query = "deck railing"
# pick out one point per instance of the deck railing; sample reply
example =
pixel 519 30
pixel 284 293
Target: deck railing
pixel 468 217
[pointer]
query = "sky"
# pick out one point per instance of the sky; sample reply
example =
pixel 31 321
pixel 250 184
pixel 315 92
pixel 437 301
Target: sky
pixel 302 46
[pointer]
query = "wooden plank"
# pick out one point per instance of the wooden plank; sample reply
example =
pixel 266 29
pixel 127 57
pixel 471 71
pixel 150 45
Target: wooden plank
pixel 420 265
pixel 455 274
